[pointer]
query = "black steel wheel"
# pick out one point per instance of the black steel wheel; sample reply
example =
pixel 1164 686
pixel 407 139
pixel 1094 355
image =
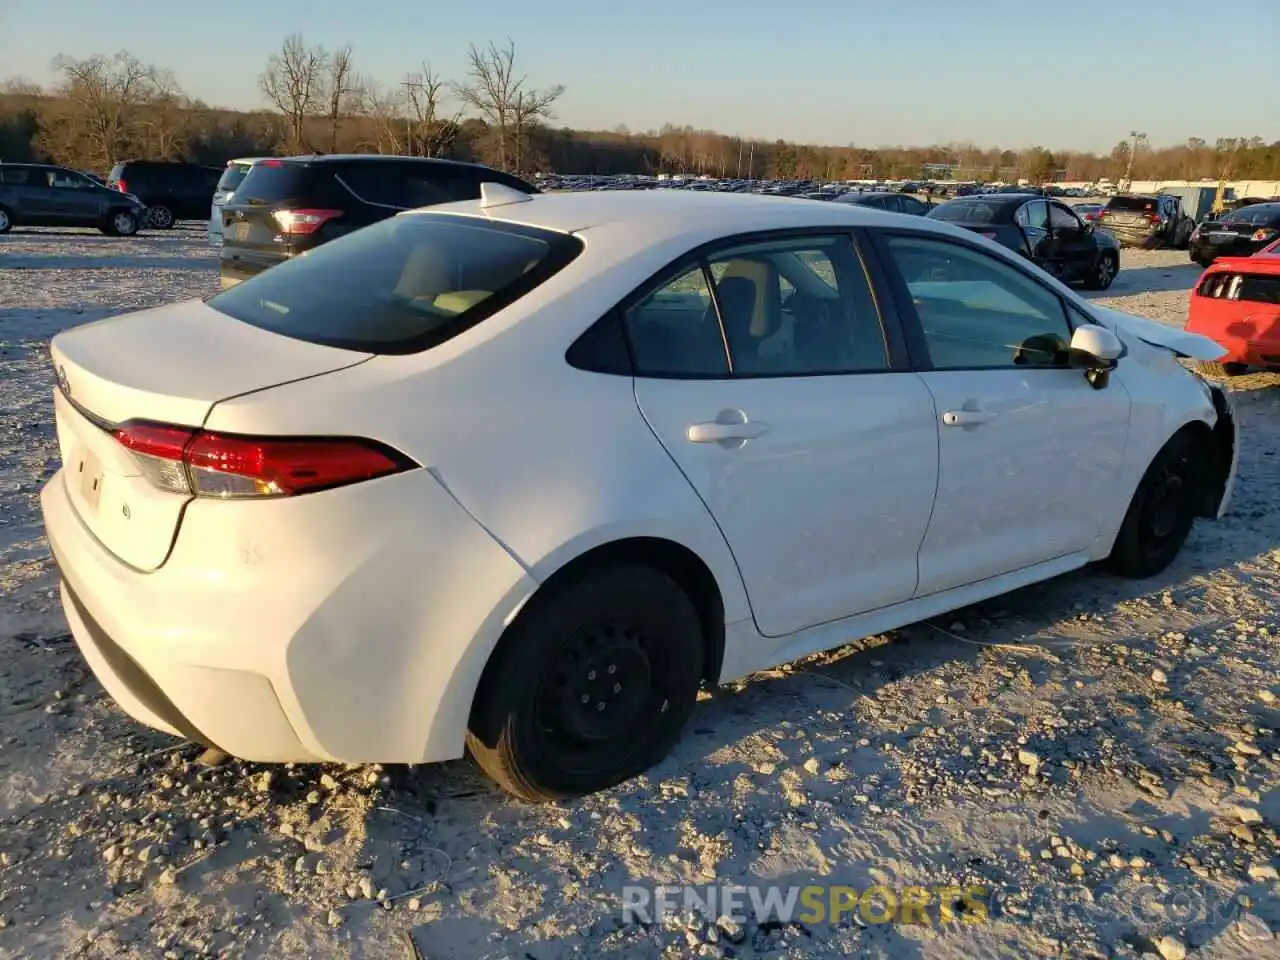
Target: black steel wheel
pixel 1161 512
pixel 590 687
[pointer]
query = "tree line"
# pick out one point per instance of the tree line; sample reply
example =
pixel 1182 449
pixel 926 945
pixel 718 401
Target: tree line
pixel 106 108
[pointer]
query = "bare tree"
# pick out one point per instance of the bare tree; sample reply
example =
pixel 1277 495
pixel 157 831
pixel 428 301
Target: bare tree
pixel 107 93
pixel 20 87
pixel 431 131
pixel 381 106
pixel 341 91
pixel 294 83
pixel 164 119
pixel 528 109
pixel 492 89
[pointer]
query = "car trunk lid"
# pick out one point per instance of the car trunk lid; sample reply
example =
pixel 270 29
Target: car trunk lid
pixel 169 365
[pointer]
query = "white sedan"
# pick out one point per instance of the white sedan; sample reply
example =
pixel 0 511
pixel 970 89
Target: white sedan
pixel 519 475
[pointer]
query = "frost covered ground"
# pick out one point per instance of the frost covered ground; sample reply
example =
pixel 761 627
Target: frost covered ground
pixel 1102 756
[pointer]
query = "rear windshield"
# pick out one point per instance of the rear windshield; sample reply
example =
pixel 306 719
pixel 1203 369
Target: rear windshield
pixel 1131 204
pixel 271 182
pixel 233 175
pixel 966 211
pixel 400 286
pixel 1257 213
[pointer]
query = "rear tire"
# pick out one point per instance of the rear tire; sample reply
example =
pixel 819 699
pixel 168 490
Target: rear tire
pixel 1104 271
pixel 590 687
pixel 1162 510
pixel 160 217
pixel 1216 368
pixel 6 219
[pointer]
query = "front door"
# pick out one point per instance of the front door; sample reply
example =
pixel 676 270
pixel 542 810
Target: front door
pixel 75 199
pixel 1072 248
pixel 1026 445
pixel 764 371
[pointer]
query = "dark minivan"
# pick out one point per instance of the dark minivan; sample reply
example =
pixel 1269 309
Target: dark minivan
pixel 285 207
pixel 172 191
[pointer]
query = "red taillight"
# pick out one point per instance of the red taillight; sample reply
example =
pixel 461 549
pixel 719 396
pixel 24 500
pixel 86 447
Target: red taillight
pixel 297 223
pixel 1261 234
pixel 122 186
pixel 187 461
pixel 1153 217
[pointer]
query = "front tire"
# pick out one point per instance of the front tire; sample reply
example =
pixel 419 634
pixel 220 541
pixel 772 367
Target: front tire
pixel 1161 512
pixel 590 687
pixel 6 220
pixel 1216 368
pixel 1104 272
pixel 120 223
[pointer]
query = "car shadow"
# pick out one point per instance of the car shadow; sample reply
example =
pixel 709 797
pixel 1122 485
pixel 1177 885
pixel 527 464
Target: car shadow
pixel 132 259
pixel 1137 280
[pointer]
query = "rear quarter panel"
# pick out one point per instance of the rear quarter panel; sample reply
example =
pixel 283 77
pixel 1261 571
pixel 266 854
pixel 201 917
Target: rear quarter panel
pixel 552 461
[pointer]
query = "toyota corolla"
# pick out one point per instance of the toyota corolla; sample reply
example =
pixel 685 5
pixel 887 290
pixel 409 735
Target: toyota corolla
pixel 519 475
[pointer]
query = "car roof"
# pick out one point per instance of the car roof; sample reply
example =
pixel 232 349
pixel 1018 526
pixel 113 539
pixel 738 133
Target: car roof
pixel 659 215
pixel 377 158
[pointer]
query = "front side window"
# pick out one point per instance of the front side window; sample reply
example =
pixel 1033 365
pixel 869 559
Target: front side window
pixel 66 180
pixel 1062 219
pixel 401 285
pixel 977 312
pixel 1033 215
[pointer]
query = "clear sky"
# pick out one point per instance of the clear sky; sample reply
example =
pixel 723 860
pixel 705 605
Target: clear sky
pixel 1077 74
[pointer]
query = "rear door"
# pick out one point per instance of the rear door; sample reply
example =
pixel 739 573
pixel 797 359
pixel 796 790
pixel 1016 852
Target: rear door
pixel 766 372
pixel 1025 443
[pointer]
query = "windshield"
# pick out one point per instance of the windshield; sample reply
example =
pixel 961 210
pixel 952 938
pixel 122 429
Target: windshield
pixel 1132 204
pixel 1257 213
pixel 402 285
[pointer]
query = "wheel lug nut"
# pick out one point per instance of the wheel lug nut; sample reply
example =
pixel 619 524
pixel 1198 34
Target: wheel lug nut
pixel 591 675
pixel 612 668
pixel 617 688
pixel 600 706
pixel 586 698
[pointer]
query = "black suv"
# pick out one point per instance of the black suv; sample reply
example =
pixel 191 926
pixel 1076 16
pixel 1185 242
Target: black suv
pixel 285 207
pixel 172 191
pixel 45 195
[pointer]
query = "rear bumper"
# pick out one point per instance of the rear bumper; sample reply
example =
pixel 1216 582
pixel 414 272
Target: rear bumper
pixel 1202 249
pixel 353 628
pixel 1133 236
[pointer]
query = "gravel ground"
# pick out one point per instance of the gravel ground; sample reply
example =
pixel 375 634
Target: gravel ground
pixel 1101 756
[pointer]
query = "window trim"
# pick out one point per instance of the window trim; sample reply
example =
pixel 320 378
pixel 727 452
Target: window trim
pixel 896 353
pixel 910 320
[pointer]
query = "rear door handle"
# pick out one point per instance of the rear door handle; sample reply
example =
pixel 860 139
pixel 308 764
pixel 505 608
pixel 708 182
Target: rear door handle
pixel 967 418
pixel 714 432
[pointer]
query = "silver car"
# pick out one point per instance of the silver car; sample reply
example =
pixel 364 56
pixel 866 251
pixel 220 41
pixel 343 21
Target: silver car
pixel 231 178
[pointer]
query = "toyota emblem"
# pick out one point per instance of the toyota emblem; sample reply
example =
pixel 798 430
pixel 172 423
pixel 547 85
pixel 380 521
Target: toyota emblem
pixel 64 384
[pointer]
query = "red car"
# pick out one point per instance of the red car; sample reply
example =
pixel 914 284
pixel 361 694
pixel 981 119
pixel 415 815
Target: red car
pixel 1237 303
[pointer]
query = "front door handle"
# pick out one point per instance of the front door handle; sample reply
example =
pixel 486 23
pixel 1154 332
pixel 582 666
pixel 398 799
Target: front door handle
pixel 967 418
pixel 718 432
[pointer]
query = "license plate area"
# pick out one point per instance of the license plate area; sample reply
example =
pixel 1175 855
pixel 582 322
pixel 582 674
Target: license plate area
pixel 1219 237
pixel 89 476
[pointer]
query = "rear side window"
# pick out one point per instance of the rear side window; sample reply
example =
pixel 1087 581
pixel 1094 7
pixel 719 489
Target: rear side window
pixel 1261 213
pixel 117 172
pixel 402 285
pixel 968 212
pixel 272 182
pixel 16 176
pixel 405 188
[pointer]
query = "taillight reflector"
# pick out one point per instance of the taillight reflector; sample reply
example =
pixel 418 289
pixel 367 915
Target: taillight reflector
pixel 302 222
pixel 204 464
pixel 122 186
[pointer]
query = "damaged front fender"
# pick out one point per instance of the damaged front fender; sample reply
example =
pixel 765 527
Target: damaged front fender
pixel 1221 480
